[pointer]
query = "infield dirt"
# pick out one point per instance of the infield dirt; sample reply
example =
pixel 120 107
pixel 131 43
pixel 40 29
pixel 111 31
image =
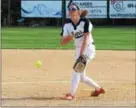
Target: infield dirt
pixel 25 85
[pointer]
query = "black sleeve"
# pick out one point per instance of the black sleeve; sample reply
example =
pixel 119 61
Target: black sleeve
pixel 61 32
pixel 86 26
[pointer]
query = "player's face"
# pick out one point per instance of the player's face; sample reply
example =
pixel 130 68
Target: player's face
pixel 73 11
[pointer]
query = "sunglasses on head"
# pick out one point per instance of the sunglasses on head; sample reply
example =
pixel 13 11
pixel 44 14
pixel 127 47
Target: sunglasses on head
pixel 72 9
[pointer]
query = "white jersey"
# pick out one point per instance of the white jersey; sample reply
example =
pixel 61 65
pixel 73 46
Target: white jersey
pixel 83 26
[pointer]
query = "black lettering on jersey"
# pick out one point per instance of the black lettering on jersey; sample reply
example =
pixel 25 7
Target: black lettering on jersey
pixel 78 34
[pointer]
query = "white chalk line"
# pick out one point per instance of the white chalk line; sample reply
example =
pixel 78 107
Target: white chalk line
pixel 40 82
pixel 64 82
pixel 55 81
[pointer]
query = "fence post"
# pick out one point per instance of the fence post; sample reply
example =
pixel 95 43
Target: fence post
pixel 108 9
pixel 63 11
pixel 9 12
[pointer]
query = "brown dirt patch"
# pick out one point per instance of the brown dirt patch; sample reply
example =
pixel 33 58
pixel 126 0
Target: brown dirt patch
pixel 25 85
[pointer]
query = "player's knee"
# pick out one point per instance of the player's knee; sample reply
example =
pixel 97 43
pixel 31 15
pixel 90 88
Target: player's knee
pixel 82 78
pixel 76 77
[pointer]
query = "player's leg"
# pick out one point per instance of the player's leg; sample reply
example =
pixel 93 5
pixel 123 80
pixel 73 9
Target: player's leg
pixel 74 86
pixel 89 81
pixel 90 52
pixel 75 80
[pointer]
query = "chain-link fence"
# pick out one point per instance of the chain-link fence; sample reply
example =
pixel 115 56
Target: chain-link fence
pixel 11 16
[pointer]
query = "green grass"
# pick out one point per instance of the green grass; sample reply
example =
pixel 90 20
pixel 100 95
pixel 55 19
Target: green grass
pixel 114 38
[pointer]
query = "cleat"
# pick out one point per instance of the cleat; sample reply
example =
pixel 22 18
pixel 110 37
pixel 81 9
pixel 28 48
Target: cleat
pixel 68 97
pixel 97 93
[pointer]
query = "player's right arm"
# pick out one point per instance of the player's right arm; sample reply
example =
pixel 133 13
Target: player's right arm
pixel 66 37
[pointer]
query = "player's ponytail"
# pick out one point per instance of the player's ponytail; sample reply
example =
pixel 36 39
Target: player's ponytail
pixel 84 13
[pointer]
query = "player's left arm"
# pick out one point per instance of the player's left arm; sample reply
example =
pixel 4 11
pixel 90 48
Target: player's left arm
pixel 87 30
pixel 84 44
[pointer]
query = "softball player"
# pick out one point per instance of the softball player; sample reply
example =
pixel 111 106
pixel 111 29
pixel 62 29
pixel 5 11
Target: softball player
pixel 79 29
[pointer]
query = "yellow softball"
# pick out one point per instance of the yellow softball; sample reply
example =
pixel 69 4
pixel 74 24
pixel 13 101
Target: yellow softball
pixel 38 64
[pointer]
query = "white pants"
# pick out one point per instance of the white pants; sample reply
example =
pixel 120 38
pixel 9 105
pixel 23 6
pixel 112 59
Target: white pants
pixel 81 77
pixel 89 52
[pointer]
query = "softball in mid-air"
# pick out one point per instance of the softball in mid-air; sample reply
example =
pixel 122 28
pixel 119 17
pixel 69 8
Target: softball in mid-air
pixel 38 64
